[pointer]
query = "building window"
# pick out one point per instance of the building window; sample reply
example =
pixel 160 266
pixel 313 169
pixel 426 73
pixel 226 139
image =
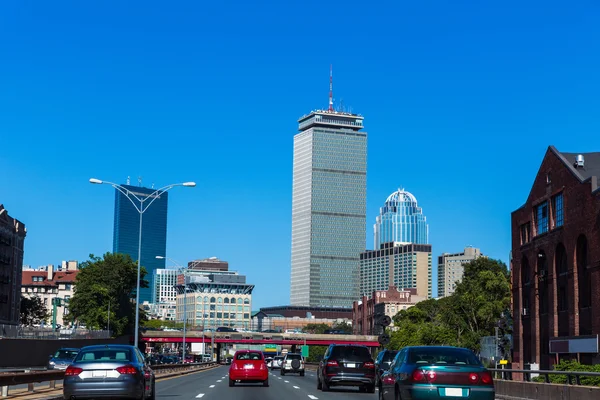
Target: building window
pixel 557 208
pixel 526 233
pixel 541 218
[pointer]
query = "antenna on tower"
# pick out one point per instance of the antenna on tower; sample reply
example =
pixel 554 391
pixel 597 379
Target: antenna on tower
pixel 139 181
pixel 129 180
pixel 330 87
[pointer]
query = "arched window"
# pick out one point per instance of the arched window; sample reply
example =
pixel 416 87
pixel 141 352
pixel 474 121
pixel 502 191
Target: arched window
pixel 233 300
pixel 226 300
pixel 213 299
pixel 562 284
pixel 206 299
pixel 220 300
pixel 246 301
pixel 542 275
pixel 584 283
pixel 240 301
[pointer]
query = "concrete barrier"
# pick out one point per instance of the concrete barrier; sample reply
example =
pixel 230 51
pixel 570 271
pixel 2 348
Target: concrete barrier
pixel 512 390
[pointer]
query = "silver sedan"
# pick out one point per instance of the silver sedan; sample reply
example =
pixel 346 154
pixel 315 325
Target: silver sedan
pixel 109 371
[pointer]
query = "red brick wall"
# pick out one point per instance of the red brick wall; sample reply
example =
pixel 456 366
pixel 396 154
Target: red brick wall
pixel 581 210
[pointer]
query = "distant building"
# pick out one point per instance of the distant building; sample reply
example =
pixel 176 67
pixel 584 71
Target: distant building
pixel 400 220
pixel 401 265
pixel 316 312
pixel 164 294
pixel 209 264
pixel 451 268
pixel 12 239
pixel 328 208
pixel 556 263
pixel 367 311
pixel 215 298
pixel 262 321
pixel 154 230
pixel 50 284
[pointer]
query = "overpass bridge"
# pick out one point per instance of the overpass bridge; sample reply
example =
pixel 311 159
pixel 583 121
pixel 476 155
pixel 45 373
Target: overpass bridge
pixel 291 339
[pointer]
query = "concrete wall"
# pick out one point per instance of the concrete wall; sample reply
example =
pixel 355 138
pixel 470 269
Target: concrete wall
pixel 34 353
pixel 508 390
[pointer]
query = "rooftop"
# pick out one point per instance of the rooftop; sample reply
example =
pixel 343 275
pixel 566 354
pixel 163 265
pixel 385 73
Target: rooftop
pixel 331 119
pixel 57 277
pixel 591 164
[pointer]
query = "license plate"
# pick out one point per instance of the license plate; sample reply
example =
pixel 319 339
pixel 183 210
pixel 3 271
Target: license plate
pixel 453 392
pixel 248 366
pixel 99 374
pixel 350 365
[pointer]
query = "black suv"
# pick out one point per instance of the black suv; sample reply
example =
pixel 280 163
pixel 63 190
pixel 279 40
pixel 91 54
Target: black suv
pixel 346 365
pixel 382 363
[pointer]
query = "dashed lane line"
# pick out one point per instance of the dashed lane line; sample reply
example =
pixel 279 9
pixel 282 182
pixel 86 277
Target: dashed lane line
pixel 211 386
pixel 287 381
pixel 311 397
pixel 219 381
pixel 201 395
pixel 296 387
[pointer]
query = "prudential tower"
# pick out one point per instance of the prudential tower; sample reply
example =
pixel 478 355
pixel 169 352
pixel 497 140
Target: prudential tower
pixel 328 207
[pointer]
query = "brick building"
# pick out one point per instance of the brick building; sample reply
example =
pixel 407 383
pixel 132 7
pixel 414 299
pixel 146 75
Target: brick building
pixel 556 263
pixel 388 302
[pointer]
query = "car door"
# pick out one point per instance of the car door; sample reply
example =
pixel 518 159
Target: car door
pixel 148 373
pixel 323 363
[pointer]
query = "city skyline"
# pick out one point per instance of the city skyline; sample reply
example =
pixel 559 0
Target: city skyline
pixel 460 117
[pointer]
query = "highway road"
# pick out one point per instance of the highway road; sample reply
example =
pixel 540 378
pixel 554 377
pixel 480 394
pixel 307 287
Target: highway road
pixel 214 385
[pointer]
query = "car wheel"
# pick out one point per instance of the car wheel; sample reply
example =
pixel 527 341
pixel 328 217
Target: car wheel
pixel 266 383
pixel 324 386
pixel 370 389
pixel 153 395
pixel 319 385
pixel 231 382
pixel 301 373
pixel 282 373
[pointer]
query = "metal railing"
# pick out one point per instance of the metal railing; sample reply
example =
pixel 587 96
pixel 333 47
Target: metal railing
pixel 31 332
pixel 573 377
pixel 51 376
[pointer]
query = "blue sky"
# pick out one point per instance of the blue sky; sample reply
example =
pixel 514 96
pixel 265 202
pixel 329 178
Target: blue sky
pixel 460 99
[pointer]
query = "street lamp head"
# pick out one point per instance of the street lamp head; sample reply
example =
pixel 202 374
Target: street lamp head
pixel 96 181
pixel 189 184
pixel 160 257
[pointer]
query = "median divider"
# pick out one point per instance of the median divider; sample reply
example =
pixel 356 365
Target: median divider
pixel 51 392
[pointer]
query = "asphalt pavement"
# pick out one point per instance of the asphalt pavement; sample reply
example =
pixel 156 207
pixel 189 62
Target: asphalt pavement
pixel 214 385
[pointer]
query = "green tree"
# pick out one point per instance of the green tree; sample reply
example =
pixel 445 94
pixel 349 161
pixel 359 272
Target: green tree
pixel 158 324
pixel 110 279
pixel 33 310
pixel 342 326
pixel 315 328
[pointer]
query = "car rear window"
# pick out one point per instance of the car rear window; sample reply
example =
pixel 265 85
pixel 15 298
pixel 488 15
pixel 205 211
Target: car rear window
pixel 389 356
pixel 249 356
pixel 437 355
pixel 104 355
pixel 294 357
pixel 66 354
pixel 278 358
pixel 350 353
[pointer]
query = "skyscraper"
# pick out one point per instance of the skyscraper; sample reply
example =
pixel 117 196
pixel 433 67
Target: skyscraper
pixel 328 208
pixel 400 220
pixel 154 231
pixel 451 269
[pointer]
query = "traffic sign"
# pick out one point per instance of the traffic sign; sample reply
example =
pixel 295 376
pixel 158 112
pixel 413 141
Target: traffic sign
pixel 384 339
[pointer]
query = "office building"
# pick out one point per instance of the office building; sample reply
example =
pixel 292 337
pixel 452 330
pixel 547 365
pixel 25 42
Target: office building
pixel 310 312
pixel 164 294
pixel 214 299
pixel 555 263
pixel 328 208
pixel 368 311
pixel 49 283
pixel 404 266
pixel 400 220
pixel 154 230
pixel 12 239
pixel 209 264
pixel 451 268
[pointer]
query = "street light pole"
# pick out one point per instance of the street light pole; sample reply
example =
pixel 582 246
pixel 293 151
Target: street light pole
pixel 140 209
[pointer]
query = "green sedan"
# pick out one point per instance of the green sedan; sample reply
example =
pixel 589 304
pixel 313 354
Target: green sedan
pixel 436 372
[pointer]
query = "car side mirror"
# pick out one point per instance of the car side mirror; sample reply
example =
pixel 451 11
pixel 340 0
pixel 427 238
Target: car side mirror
pixel 50 356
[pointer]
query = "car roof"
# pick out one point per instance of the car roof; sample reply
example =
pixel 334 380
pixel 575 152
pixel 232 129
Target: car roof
pixel 248 351
pixel 293 354
pixel 108 346
pixel 69 348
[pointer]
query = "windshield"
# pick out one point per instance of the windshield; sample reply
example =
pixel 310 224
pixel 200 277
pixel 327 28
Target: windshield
pixel 389 356
pixel 433 355
pixel 249 356
pixel 351 353
pixel 104 355
pixel 294 357
pixel 66 354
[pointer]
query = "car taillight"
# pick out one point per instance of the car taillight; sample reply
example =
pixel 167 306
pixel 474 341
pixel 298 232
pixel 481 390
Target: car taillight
pixel 369 365
pixel 73 371
pixel 418 376
pixel 473 378
pixel 233 366
pixel 486 378
pixel 127 370
pixel 431 376
pixel 332 363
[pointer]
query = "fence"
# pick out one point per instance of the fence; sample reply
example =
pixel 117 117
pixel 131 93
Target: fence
pixel 31 332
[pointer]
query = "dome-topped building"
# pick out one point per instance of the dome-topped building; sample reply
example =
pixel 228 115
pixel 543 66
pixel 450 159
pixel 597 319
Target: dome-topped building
pixel 401 220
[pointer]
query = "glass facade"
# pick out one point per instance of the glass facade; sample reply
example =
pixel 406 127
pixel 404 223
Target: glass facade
pixel 163 285
pixel 154 231
pixel 328 209
pixel 400 220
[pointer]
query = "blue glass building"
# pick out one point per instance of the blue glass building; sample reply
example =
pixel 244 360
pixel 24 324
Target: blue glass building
pixel 328 209
pixel 400 220
pixel 154 231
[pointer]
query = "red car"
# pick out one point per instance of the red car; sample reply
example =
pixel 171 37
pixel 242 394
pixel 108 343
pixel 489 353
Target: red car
pixel 248 366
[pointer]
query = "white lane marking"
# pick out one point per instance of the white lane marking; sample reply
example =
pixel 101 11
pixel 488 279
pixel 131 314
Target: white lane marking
pixel 211 386
pixel 219 381
pixel 279 378
pixel 200 396
pixel 310 396
pixel 296 387
pixel 287 381
pixel 223 378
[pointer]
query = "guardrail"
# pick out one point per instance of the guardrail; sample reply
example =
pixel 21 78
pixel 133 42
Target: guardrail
pixel 506 374
pixel 51 376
